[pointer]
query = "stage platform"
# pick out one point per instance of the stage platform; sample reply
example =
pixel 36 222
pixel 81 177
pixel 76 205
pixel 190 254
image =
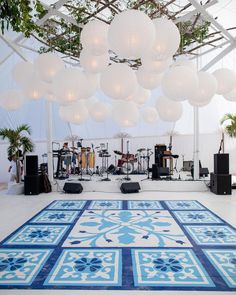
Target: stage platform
pixel 95 183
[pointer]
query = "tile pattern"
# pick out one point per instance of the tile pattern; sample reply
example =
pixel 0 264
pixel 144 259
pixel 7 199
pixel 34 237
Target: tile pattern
pixel 46 235
pixel 121 245
pixel 156 205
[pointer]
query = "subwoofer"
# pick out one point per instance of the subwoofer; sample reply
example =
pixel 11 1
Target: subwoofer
pixel 32 184
pixel 221 163
pixel 221 184
pixel 130 187
pixel 157 172
pixel 31 165
pixel 72 188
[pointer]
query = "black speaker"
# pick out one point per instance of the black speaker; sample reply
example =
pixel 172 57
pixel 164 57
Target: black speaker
pixel 203 172
pixel 130 187
pixel 72 188
pixel 157 172
pixel 221 184
pixel 159 151
pixel 221 163
pixel 31 165
pixel 32 184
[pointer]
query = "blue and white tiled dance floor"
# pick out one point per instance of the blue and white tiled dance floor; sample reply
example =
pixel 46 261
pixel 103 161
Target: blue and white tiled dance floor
pixel 121 245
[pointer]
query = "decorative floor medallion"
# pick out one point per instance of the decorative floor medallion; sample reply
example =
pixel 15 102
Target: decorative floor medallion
pixel 121 245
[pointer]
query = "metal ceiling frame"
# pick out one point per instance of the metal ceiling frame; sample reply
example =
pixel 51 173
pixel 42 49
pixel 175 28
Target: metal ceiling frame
pixel 53 10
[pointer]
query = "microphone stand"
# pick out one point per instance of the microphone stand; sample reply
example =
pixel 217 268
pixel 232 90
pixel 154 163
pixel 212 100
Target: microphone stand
pixel 127 158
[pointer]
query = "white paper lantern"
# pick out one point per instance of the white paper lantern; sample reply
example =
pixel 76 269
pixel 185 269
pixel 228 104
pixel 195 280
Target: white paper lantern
pixel 90 102
pixel 93 63
pixel 179 83
pixel 35 89
pixel 231 96
pixel 226 80
pixel 11 100
pixel 130 34
pixel 168 109
pixel 75 113
pixel 199 103
pixel 48 66
pixel 69 85
pixel 156 66
pixel 92 82
pixel 22 72
pixel 100 111
pixel 206 89
pixel 125 114
pixel 94 37
pixel 140 96
pixel 118 81
pixel 167 39
pixel 150 115
pixel 148 80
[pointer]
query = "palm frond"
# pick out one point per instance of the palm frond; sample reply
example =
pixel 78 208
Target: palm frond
pixel 23 127
pixel 230 129
pixel 26 144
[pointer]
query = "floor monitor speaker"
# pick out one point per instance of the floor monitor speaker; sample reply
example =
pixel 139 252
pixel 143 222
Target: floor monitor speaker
pixel 130 187
pixel 32 184
pixel 221 184
pixel 72 188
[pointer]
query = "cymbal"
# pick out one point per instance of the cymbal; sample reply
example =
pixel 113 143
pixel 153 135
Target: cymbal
pixel 141 150
pixel 118 153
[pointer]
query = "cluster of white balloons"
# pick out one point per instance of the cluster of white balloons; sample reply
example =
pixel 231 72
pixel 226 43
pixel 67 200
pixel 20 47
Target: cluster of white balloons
pixel 131 35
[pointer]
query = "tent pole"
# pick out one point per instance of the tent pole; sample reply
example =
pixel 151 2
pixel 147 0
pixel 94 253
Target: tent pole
pixel 196 143
pixel 49 140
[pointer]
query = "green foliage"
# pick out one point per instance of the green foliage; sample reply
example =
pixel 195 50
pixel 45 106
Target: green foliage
pixel 17 139
pixel 230 128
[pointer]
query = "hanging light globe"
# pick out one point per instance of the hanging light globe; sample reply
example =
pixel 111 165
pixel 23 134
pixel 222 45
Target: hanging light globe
pixel 22 72
pixel 94 37
pixel 93 63
pixel 118 81
pixel 169 110
pixel 167 39
pixel 179 83
pixel 226 80
pixel 125 114
pixel 11 100
pixel 75 113
pixel 100 111
pixel 206 89
pixel 48 66
pixel 35 89
pixel 130 33
pixel 150 115
pixel 147 79
pixel 140 96
pixel 156 66
pixel 231 96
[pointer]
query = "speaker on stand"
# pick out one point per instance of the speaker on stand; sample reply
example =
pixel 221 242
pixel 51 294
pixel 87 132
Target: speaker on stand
pixel 32 183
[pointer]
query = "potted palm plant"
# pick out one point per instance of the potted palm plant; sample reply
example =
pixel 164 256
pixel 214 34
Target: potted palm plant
pixel 230 127
pixel 19 142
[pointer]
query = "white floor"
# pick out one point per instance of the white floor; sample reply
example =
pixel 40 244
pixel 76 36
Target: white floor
pixel 15 210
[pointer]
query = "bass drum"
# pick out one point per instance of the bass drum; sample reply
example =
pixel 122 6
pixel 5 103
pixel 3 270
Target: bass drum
pixel 127 168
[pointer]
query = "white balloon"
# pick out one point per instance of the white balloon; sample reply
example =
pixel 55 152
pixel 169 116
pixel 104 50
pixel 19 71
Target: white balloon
pixel 168 109
pixel 69 85
pixel 167 39
pixel 94 37
pixel 118 81
pixel 93 63
pixel 11 100
pixel 231 96
pixel 226 80
pixel 179 83
pixel 148 80
pixel 130 33
pixel 140 96
pixel 75 113
pixel 35 89
pixel 125 114
pixel 100 111
pixel 22 72
pixel 206 89
pixel 150 115
pixel 48 65
pixel 156 66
